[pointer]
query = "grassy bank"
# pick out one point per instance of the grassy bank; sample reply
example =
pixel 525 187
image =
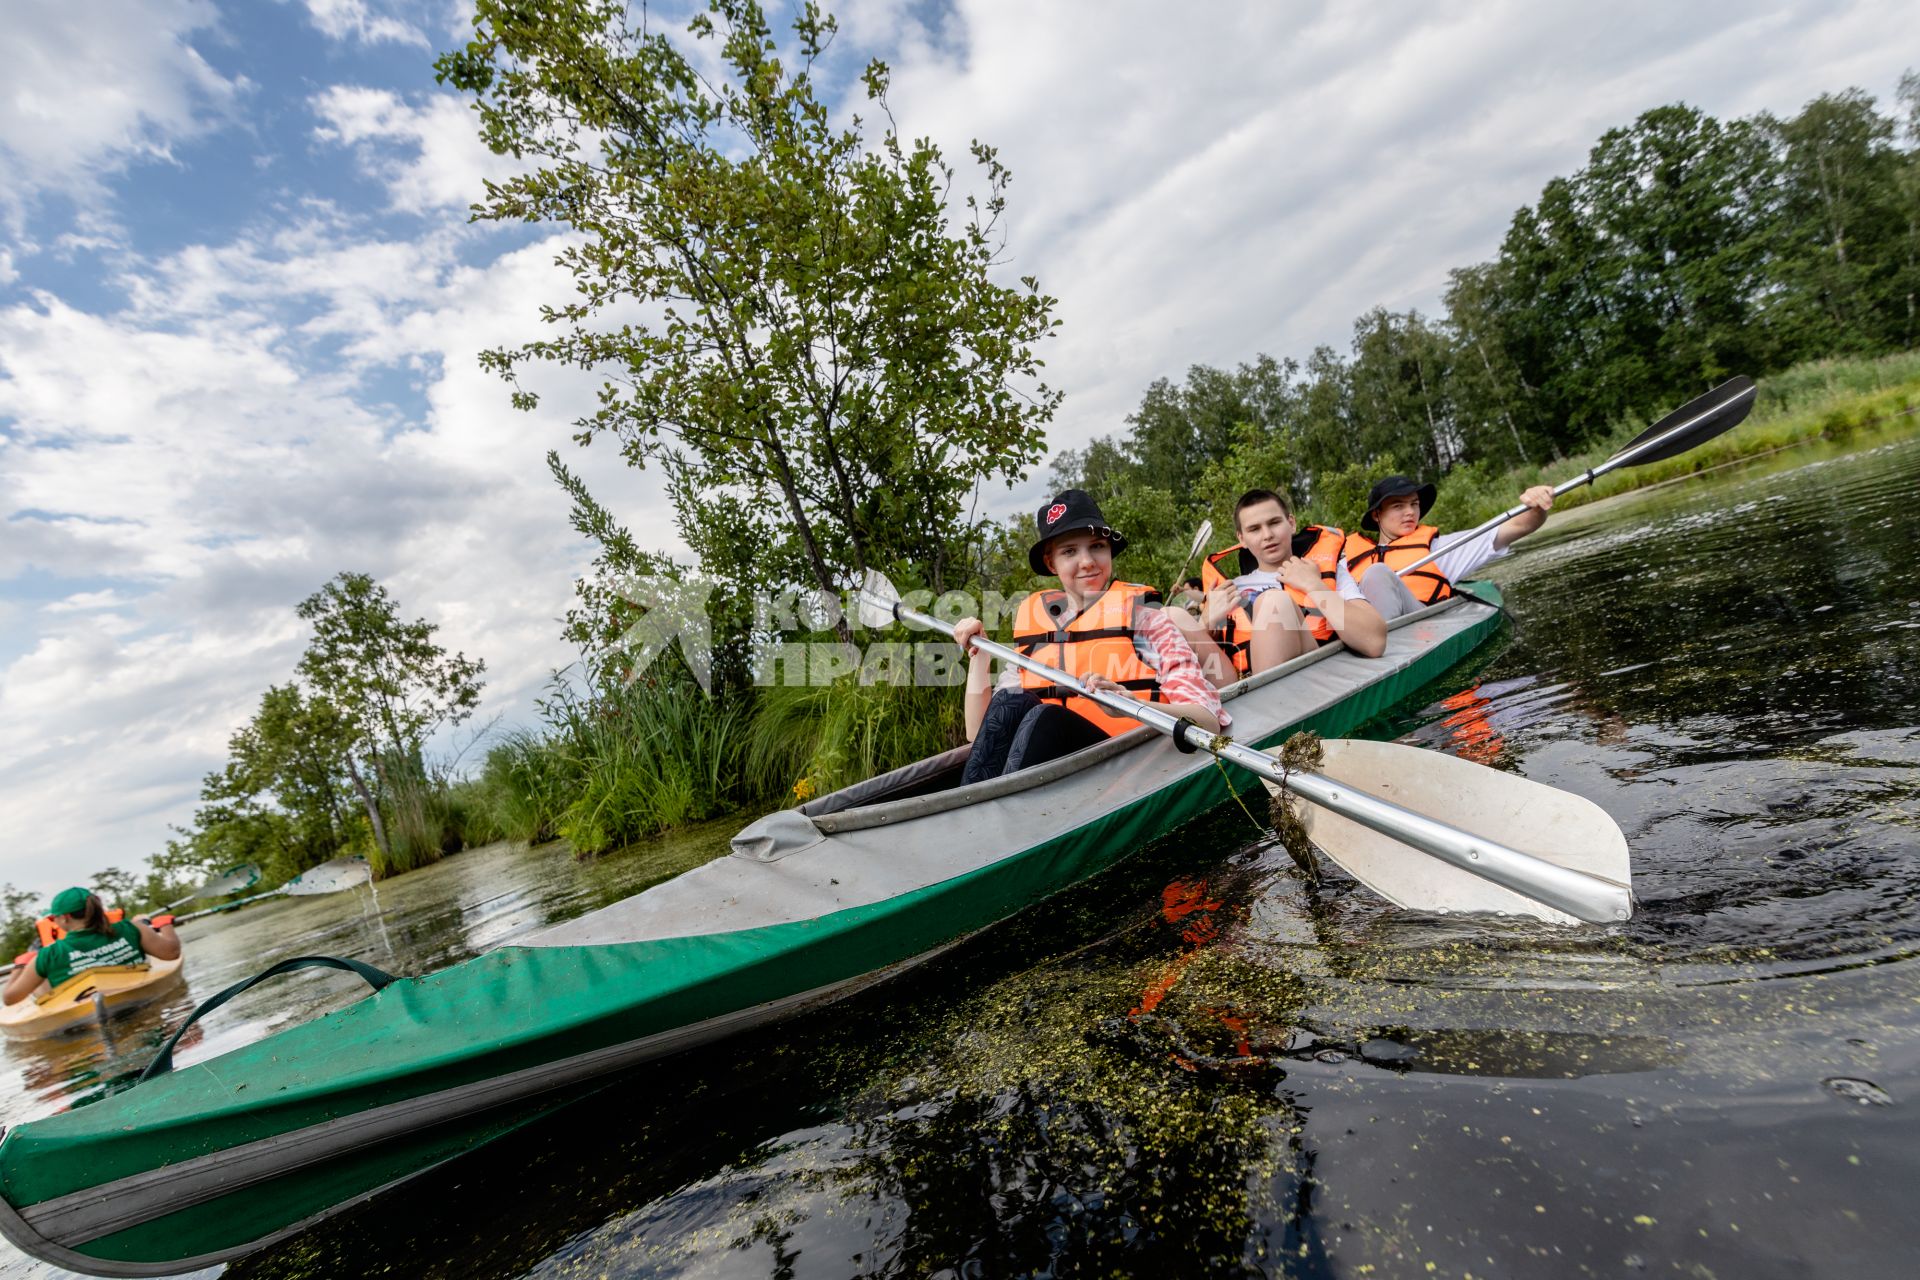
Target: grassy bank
pixel 1823 400
pixel 613 765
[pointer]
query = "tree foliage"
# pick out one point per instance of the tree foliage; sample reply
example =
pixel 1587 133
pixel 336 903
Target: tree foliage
pixel 781 313
pixel 380 686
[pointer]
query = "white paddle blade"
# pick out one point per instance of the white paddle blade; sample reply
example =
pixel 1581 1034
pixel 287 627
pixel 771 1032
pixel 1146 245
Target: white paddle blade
pixel 330 877
pixel 232 880
pixel 877 597
pixel 1532 817
pixel 1200 539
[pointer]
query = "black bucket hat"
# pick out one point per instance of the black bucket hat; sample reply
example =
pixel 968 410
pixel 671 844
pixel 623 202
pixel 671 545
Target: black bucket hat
pixel 1069 512
pixel 1395 487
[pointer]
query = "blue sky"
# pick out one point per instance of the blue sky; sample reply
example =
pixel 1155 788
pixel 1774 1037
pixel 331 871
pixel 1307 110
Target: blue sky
pixel 240 301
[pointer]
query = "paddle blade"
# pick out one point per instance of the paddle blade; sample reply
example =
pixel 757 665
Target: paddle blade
pixel 232 880
pixel 329 877
pixel 1201 538
pixel 1529 816
pixel 876 597
pixel 1697 421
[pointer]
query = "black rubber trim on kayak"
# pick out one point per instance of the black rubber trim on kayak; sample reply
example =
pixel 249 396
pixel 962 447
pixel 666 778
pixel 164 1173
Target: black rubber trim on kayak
pixel 163 1061
pixel 23 1237
pixel 50 1229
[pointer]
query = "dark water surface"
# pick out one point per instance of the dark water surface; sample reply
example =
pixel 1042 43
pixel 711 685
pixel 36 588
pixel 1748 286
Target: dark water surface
pixel 1196 1066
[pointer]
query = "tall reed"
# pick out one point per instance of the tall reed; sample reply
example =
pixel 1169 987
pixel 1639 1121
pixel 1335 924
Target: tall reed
pixel 644 757
pixel 824 737
pixel 419 819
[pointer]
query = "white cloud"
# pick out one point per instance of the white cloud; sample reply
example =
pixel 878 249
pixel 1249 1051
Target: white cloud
pixel 1255 181
pixel 83 97
pixel 358 20
pixel 430 156
pixel 87 601
pixel 214 452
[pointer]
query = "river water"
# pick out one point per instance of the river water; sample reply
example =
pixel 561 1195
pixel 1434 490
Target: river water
pixel 1310 1083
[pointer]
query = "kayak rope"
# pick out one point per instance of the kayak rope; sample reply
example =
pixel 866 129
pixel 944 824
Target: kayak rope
pixel 1302 752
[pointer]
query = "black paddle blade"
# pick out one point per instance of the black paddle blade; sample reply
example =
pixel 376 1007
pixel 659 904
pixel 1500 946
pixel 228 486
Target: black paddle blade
pixel 1721 409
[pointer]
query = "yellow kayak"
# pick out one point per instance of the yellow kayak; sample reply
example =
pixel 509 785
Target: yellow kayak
pixel 121 986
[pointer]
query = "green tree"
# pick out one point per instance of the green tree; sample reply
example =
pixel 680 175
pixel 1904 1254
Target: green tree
pixel 1906 198
pixel 1839 251
pixel 814 339
pixel 386 685
pixel 116 888
pixel 1399 378
pixel 175 871
pixel 19 910
pixel 1490 396
pixel 297 750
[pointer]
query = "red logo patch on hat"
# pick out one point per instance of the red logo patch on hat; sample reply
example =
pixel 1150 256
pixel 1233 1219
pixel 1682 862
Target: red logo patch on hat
pixel 1055 511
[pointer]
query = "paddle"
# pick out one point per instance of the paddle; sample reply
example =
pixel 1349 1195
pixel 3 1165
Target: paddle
pixel 1535 884
pixel 1692 424
pixel 1567 829
pixel 1200 538
pixel 232 880
pixel 328 877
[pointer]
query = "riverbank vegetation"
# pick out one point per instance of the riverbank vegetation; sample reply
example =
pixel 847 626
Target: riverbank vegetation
pixel 806 329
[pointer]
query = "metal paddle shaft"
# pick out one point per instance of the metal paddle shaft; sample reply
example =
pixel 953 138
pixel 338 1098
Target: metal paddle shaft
pixel 1725 406
pixel 1580 895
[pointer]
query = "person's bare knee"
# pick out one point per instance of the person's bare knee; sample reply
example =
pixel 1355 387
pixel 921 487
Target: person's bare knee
pixel 1280 633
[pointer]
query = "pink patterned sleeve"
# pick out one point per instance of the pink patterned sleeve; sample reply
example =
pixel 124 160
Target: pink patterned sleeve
pixel 1177 669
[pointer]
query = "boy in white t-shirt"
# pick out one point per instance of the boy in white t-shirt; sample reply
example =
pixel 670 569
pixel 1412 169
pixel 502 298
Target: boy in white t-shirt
pixel 1292 597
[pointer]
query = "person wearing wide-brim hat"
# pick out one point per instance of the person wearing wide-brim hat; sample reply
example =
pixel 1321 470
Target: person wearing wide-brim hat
pixel 90 941
pixel 1397 537
pixel 1113 636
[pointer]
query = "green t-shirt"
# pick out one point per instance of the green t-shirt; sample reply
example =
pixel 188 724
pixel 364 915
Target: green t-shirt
pixel 78 952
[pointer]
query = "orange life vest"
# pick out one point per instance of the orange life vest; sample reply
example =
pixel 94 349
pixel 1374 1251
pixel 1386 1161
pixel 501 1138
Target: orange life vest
pixel 1097 642
pixel 1428 584
pixel 1320 544
pixel 51 933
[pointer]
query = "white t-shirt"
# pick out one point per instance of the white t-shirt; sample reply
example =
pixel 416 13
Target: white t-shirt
pixel 1252 584
pixel 1462 553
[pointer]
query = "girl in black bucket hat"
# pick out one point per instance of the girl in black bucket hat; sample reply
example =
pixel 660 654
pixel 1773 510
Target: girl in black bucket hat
pixel 1112 636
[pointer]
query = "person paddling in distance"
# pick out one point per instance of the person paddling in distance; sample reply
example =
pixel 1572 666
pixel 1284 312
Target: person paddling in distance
pixel 91 941
pixel 1281 592
pixel 1395 509
pixel 1112 636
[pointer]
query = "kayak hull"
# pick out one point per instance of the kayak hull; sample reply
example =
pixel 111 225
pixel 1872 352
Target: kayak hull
pixel 186 1170
pixel 122 988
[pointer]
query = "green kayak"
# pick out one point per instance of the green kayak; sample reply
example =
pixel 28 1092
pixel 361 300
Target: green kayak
pixel 204 1163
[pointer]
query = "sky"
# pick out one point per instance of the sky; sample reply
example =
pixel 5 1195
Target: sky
pixel 241 300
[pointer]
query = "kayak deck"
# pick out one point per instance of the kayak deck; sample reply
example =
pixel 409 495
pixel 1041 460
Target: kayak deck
pixel 220 1157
